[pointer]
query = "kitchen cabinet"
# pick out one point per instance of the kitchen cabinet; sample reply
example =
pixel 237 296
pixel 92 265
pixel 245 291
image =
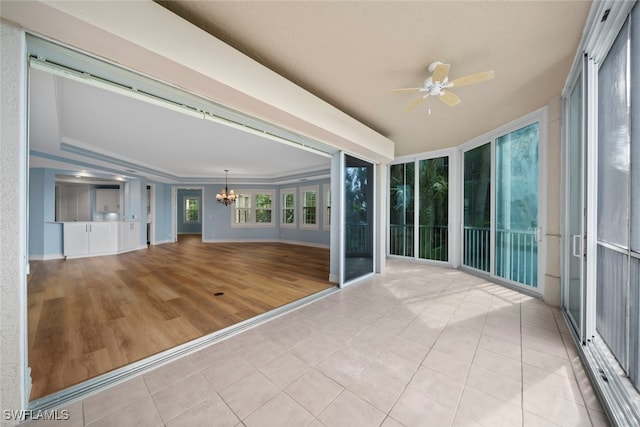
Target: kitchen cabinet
pixel 72 202
pixel 129 236
pixel 89 238
pixel 107 200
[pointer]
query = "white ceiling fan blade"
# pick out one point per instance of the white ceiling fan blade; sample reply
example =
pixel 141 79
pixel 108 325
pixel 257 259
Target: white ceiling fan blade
pixel 440 73
pixel 449 98
pixel 407 90
pixel 471 79
pixel 417 102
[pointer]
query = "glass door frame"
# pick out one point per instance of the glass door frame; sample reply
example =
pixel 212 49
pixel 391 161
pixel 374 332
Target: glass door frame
pixel 539 116
pixel 342 161
pixel 570 243
pixel 454 197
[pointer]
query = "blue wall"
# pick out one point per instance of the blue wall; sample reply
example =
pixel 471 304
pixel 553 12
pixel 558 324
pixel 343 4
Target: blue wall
pixel 217 217
pixel 162 217
pixel 45 236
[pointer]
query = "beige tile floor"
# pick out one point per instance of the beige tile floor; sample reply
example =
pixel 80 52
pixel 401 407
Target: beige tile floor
pixel 416 346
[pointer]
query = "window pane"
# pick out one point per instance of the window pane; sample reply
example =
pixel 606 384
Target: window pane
pixel 516 256
pixel 401 209
pixel 434 209
pixel 613 145
pixel 263 216
pixel 309 211
pixel 634 58
pixel 288 200
pixel 263 201
pixel 242 207
pixel 309 199
pixel 477 207
pixel 191 210
pixel 358 218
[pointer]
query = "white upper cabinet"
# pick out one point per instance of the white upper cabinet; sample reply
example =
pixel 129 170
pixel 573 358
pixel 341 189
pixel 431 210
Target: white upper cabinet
pixel 107 200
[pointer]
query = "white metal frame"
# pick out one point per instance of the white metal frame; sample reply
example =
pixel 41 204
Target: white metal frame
pixel 567 240
pixel 603 25
pixel 342 283
pixel 454 198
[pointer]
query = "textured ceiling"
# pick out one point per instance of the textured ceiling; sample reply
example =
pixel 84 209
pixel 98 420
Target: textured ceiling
pixel 352 54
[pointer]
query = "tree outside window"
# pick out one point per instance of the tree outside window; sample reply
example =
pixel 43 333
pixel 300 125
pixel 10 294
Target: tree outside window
pixel 263 208
pixel 191 209
pixel 253 208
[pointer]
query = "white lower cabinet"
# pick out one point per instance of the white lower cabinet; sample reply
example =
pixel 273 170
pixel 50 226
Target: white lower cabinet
pixel 129 236
pixel 82 239
pixel 89 238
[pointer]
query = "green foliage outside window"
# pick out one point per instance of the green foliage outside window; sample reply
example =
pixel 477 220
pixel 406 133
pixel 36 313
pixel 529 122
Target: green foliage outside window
pixel 263 208
pixel 191 210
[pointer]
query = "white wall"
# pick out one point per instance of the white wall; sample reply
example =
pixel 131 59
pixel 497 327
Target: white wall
pixel 554 203
pixel 12 219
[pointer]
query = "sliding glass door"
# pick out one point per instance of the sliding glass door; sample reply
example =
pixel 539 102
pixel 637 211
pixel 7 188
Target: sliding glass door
pixel 476 244
pixel 501 188
pixel 401 209
pixel 616 295
pixel 419 194
pixel 433 214
pixel 358 218
pixel 516 192
pixel 574 209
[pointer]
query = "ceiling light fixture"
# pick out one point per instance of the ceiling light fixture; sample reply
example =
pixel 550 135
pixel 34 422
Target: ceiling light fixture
pixel 225 196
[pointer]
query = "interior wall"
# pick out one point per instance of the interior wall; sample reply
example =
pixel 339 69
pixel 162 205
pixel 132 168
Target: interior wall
pixel 552 286
pixel 12 221
pixel 162 213
pixel 217 218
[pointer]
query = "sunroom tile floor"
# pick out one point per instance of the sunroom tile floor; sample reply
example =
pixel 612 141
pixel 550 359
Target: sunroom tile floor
pixel 416 346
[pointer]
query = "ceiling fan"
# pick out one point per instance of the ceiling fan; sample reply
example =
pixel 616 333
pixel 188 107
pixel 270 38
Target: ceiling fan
pixel 438 82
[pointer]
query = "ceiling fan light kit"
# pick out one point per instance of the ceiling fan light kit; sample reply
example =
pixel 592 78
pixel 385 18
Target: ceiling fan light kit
pixel 438 82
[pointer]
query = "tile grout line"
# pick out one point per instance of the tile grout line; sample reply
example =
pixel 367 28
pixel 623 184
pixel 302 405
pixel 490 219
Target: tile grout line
pixel 388 415
pixel 484 323
pixel 573 370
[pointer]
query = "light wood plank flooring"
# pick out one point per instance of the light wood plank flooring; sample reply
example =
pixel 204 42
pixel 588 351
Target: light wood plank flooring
pixel 89 316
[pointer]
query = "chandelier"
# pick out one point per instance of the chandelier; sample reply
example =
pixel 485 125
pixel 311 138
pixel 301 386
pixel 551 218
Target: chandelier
pixel 225 196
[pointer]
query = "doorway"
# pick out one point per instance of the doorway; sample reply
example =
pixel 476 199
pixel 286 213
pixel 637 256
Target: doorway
pixel 188 211
pixel 358 243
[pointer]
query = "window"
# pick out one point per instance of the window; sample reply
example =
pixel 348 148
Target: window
pixel 253 208
pixel 288 206
pixel 191 209
pixel 263 208
pixel 327 207
pixel 310 207
pixel 243 209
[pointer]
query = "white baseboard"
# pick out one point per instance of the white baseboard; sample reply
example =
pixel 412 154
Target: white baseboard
pixel 313 245
pixel 288 242
pixel 161 242
pixel 46 257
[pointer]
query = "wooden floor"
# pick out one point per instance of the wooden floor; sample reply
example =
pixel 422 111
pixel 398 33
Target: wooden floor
pixel 89 316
